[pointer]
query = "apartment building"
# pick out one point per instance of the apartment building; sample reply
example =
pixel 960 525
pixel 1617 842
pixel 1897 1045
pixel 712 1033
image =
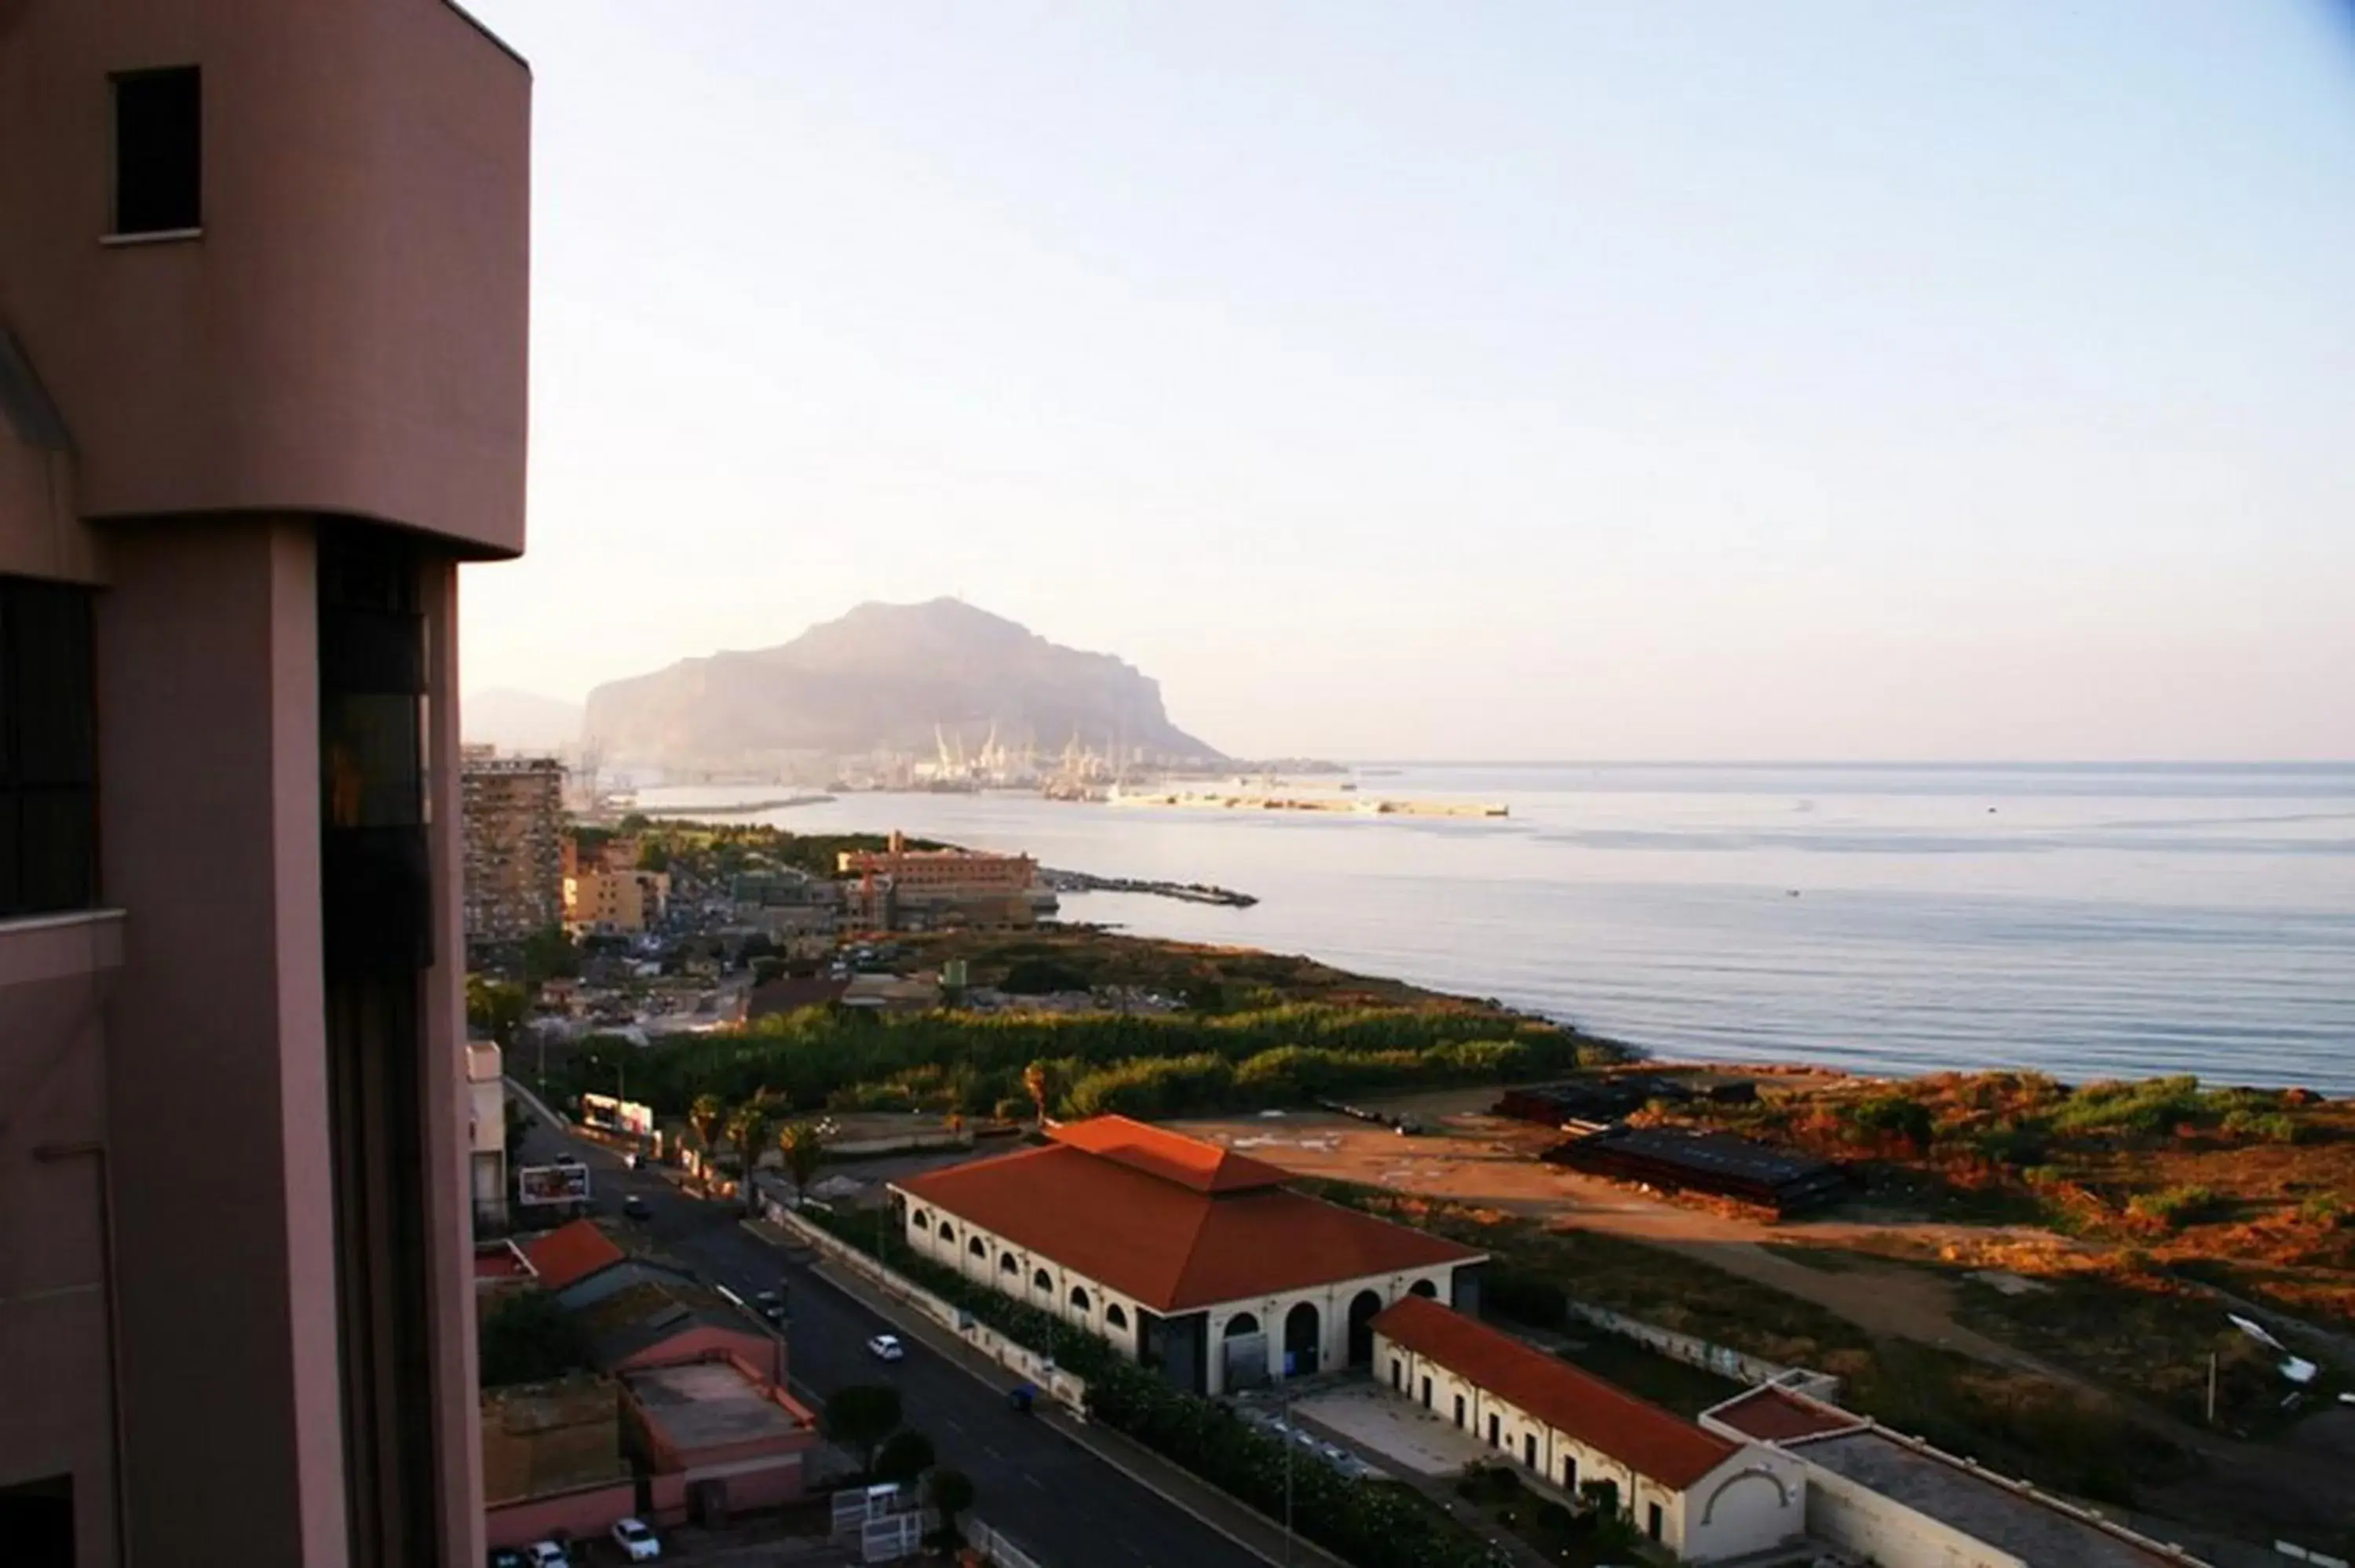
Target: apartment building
pixel 262 348
pixel 513 812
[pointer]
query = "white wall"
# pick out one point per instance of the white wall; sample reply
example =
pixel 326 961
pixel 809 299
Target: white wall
pixel 1331 1300
pixel 1757 1499
pixel 1864 1523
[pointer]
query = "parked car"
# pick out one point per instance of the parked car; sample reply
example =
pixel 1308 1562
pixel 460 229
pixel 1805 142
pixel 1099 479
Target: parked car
pixel 634 1539
pixel 887 1348
pixel 507 1557
pixel 634 1207
pixel 547 1555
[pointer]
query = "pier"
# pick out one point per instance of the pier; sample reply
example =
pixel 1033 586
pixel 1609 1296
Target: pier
pixel 1186 892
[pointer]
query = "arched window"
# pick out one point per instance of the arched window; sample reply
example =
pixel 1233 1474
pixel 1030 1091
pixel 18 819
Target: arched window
pixel 923 1219
pixel 975 1248
pixel 1242 1323
pixel 948 1231
pixel 1114 1318
pixel 1040 1281
pixel 1423 1288
pixel 1007 1265
pixel 1079 1299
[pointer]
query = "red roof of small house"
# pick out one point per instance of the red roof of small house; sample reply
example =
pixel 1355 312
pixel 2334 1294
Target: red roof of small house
pixel 1173 1157
pixel 1607 1418
pixel 1172 1228
pixel 1774 1416
pixel 571 1253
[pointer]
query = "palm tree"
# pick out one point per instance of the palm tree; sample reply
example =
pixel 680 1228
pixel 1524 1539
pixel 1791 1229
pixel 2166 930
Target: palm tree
pixel 1040 1080
pixel 747 1129
pixel 803 1147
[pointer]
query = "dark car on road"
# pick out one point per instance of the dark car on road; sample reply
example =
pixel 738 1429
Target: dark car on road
pixel 634 1207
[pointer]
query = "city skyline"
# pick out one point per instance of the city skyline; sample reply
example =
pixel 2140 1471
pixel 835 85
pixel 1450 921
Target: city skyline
pixel 1825 383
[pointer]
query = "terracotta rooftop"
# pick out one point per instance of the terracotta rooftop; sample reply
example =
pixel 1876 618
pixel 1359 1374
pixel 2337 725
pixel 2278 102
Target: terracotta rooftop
pixel 571 1253
pixel 1607 1418
pixel 1172 1229
pixel 1173 1157
pixel 1772 1416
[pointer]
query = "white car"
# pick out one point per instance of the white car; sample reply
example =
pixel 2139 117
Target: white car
pixel 634 1538
pixel 887 1348
pixel 547 1555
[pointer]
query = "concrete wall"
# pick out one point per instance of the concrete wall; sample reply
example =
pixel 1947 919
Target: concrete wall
pixel 582 1515
pixel 1097 1316
pixel 347 335
pixel 55 1283
pixel 1757 1500
pixel 1862 1523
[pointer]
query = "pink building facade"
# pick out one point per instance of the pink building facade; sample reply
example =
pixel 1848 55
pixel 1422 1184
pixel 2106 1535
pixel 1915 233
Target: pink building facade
pixel 263 305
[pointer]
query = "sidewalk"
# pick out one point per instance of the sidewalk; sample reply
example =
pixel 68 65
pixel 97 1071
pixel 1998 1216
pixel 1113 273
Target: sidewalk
pixel 1240 1523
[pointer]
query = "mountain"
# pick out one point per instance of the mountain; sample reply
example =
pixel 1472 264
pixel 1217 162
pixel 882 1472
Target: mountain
pixel 885 677
pixel 518 721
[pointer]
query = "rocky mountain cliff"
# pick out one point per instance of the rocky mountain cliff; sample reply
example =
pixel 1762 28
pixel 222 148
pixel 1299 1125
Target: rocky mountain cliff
pixel 881 678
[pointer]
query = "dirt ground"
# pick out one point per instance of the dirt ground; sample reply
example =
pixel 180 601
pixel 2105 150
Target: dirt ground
pixel 1471 1157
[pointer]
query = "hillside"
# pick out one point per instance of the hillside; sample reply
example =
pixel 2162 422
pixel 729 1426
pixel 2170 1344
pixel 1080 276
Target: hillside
pixel 881 678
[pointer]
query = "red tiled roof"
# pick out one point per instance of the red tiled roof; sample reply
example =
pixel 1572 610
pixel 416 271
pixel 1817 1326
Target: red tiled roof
pixel 1166 1243
pixel 571 1253
pixel 1606 1418
pixel 1173 1157
pixel 1772 1415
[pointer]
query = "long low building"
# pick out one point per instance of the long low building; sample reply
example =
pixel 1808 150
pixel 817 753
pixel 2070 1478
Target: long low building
pixel 1185 1255
pixel 1896 1501
pixel 1705 1496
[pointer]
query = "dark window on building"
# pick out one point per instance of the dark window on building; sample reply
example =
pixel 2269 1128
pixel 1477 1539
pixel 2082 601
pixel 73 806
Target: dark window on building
pixel 1652 1521
pixel 376 906
pixel 1495 1425
pixel 158 151
pixel 36 1522
pixel 48 805
pixel 1530 1449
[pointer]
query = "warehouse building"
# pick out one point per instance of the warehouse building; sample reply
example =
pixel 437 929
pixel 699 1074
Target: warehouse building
pixel 1706 1495
pixel 1185 1255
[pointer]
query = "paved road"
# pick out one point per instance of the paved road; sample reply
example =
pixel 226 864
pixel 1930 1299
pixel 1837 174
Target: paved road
pixel 1060 1502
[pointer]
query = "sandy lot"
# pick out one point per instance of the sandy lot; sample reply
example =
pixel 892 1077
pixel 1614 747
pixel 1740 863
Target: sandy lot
pixel 1471 1157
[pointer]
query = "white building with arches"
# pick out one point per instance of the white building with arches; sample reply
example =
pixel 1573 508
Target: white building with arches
pixel 1188 1256
pixel 1705 1496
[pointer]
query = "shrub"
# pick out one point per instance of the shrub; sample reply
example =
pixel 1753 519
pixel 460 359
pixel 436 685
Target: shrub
pixel 2262 1127
pixel 2173 1208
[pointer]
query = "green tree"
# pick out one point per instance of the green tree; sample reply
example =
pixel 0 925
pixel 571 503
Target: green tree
pixel 804 1148
pixel 705 1117
pixel 904 1456
pixel 951 1493
pixel 747 1129
pixel 497 1008
pixel 528 1337
pixel 549 954
pixel 860 1417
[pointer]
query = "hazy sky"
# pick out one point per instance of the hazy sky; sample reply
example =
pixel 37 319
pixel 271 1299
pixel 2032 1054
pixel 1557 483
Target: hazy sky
pixel 1544 379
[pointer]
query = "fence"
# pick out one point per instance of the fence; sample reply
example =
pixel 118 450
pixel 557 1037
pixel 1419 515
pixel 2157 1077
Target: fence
pixel 2297 1553
pixel 1020 1359
pixel 1720 1359
pixel 996 1548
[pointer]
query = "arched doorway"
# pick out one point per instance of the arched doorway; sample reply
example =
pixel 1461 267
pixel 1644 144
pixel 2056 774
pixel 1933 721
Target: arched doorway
pixel 1303 1332
pixel 1425 1288
pixel 1242 1353
pixel 1362 1309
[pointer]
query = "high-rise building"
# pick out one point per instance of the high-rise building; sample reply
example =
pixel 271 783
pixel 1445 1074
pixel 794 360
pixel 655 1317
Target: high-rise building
pixel 263 285
pixel 514 808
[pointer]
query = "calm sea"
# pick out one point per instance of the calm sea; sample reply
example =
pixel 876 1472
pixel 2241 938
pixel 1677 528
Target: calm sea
pixel 2086 920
